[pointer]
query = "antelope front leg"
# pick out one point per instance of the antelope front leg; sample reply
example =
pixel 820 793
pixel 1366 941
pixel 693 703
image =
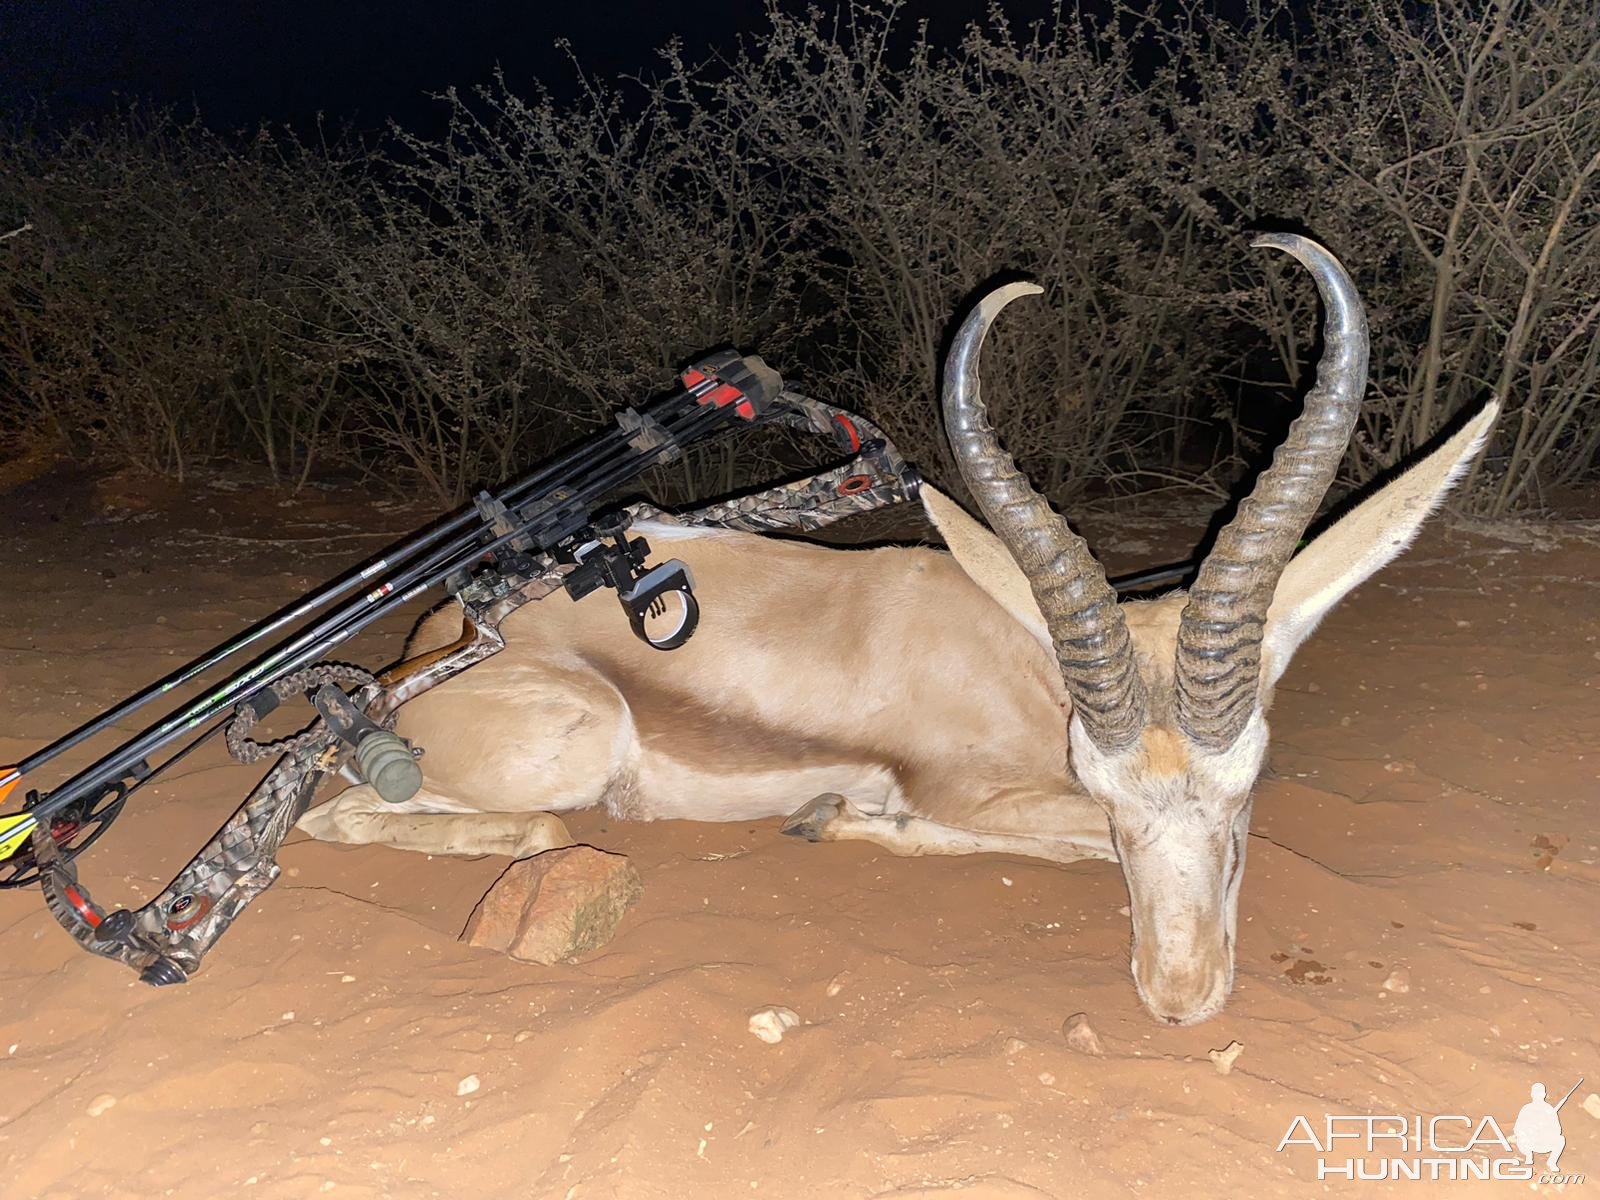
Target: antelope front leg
pixel 432 824
pixel 832 818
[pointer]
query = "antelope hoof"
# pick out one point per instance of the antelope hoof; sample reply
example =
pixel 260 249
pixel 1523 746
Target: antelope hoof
pixel 811 820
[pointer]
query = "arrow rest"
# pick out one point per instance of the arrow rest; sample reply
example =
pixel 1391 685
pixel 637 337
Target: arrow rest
pixel 644 592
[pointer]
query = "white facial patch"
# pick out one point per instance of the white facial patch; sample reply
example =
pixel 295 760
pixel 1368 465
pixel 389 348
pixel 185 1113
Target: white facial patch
pixel 1180 819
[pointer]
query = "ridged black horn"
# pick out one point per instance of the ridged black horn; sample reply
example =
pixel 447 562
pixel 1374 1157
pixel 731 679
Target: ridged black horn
pixel 1079 607
pixel 1218 664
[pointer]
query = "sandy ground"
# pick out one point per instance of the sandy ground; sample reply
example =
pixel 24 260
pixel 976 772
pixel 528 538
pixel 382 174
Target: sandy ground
pixel 1430 805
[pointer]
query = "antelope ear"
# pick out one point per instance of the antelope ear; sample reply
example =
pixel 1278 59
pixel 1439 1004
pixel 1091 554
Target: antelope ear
pixel 986 561
pixel 1372 534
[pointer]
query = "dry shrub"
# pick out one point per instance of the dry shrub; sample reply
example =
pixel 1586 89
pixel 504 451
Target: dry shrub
pixel 443 312
pixel 147 314
pixel 1450 153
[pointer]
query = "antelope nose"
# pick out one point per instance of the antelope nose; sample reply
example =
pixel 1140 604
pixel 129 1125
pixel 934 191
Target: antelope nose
pixel 1188 1000
pixel 1190 1014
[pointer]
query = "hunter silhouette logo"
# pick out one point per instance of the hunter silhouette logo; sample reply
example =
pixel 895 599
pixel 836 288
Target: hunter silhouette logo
pixel 1449 1146
pixel 1538 1127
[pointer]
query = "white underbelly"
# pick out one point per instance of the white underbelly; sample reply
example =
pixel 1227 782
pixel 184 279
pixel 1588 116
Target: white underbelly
pixel 664 788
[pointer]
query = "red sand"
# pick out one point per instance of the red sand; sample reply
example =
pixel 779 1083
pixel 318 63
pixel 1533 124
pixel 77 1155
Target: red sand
pixel 1429 806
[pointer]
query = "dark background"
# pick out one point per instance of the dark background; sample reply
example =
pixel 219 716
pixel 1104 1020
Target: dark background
pixel 357 61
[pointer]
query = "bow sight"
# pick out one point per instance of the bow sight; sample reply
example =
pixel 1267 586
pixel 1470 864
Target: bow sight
pixel 547 531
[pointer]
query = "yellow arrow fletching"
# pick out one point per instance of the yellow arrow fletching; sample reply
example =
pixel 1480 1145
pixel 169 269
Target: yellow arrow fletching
pixel 14 831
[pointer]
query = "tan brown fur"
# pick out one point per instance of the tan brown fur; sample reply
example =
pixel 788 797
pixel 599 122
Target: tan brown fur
pixel 1165 752
pixel 905 696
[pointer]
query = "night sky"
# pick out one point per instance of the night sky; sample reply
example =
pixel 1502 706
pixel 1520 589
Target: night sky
pixel 359 61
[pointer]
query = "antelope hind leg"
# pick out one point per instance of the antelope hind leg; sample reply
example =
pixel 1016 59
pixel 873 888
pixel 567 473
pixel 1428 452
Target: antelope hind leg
pixel 832 818
pixel 814 819
pixel 432 823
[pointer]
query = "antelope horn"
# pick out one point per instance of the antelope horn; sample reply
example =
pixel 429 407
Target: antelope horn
pixel 1219 634
pixel 1079 607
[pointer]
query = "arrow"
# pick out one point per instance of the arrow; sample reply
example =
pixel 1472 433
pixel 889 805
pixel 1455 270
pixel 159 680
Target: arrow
pixel 14 827
pixel 14 832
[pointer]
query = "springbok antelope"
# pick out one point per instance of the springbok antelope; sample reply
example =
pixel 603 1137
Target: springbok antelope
pixel 993 698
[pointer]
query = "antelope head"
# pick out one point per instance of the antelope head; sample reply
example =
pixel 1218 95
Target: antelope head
pixel 1167 726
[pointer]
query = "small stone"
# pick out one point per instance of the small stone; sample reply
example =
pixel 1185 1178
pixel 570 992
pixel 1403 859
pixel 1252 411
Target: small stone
pixel 836 984
pixel 555 906
pixel 1081 1036
pixel 1591 1105
pixel 1224 1059
pixel 1399 981
pixel 1047 1079
pixel 288 1016
pixel 102 1104
pixel 467 1086
pixel 348 979
pixel 1015 1046
pixel 522 1036
pixel 770 1024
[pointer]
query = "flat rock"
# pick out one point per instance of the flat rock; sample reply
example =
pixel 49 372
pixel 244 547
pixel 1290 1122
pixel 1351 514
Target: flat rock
pixel 1081 1036
pixel 555 906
